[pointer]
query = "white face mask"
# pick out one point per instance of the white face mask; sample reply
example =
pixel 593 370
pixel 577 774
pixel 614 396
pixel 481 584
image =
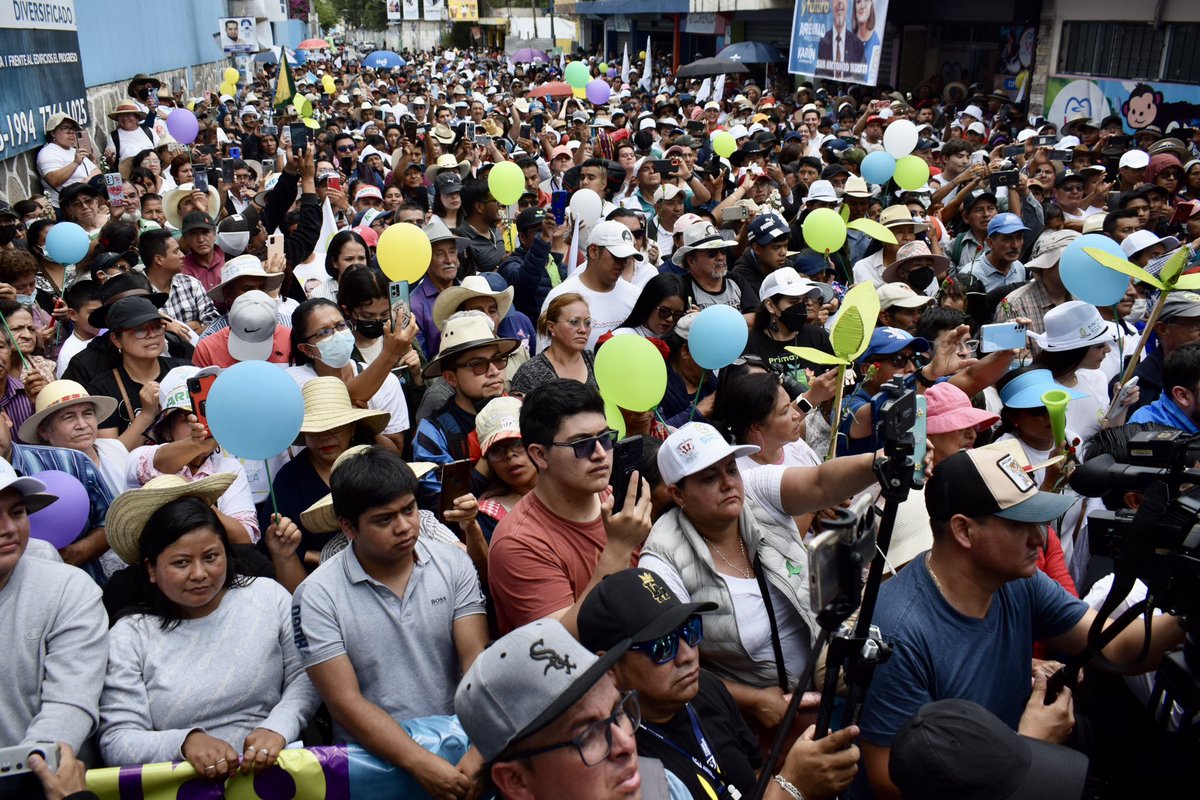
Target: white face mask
pixel 1139 310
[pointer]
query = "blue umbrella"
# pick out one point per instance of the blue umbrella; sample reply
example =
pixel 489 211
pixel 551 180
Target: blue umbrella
pixel 384 59
pixel 752 53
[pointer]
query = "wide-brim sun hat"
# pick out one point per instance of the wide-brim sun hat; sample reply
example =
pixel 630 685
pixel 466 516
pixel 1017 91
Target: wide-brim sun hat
pixel 450 299
pixel 128 513
pixel 463 334
pixel 1026 390
pixel 320 516
pixel 327 406
pixel 175 196
pixel 1073 325
pixel 59 395
pixel 913 251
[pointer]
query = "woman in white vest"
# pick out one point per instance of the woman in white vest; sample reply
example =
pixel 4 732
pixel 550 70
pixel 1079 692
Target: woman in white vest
pixel 719 545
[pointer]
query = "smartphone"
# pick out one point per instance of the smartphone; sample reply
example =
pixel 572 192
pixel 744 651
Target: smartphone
pixel 1001 336
pixel 696 127
pixel 268 166
pixel 920 431
pixel 1113 201
pixel 538 122
pixel 735 213
pixel 1181 214
pixel 274 245
pixel 627 457
pixel 114 186
pixel 526 130
pixel 198 388
pixel 176 86
pixel 456 481
pixel 1012 151
pixel 558 205
pixel 1063 156
pixel 235 152
pixel 1008 177
pixel 398 300
pixel 469 131
pixel 335 183
pixel 1045 141
pixel 299 136
pixel 200 180
pixel 410 130
pixel 270 129
pixel 214 178
pixel 978 157
pixel 227 171
pixel 483 141
pixel 663 167
pixel 1119 398
pixel 1120 142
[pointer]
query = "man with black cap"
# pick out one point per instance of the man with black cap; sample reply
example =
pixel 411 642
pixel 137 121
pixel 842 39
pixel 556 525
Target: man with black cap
pixel 539 262
pixel 768 250
pixel 204 259
pixel 689 719
pixel 962 619
pixel 548 720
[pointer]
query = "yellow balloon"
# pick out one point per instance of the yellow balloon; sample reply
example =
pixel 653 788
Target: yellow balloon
pixel 228 89
pixel 403 252
pixel 642 55
pixel 231 75
pixel 328 84
pixel 303 107
pixel 579 91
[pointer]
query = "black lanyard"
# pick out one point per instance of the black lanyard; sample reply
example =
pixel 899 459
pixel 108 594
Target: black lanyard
pixel 709 769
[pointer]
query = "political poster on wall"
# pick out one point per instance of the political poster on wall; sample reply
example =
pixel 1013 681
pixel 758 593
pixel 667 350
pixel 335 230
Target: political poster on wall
pixel 463 10
pixel 237 35
pixel 411 9
pixel 838 39
pixel 435 9
pixel 40 71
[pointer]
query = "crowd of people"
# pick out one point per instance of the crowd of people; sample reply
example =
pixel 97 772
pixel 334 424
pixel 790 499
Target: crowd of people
pixel 447 534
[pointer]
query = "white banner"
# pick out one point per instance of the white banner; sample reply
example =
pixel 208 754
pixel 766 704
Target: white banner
pixel 45 15
pixel 411 9
pixel 435 9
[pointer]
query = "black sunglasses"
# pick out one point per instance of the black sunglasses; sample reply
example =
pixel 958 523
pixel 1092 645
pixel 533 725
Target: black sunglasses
pixel 664 649
pixel 585 447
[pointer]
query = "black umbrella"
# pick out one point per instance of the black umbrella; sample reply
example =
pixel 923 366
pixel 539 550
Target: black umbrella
pixel 706 67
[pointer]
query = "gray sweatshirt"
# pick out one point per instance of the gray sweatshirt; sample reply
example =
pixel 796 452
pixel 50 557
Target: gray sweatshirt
pixel 228 673
pixel 55 635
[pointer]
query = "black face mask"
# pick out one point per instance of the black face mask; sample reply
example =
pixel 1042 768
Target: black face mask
pixel 919 279
pixel 369 328
pixel 795 317
pixel 7 234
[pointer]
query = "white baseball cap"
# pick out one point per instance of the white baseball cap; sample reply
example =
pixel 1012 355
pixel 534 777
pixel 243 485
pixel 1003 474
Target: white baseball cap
pixel 821 191
pixel 1138 241
pixel 977 127
pixel 252 321
pixel 1134 159
pixel 694 447
pixel 667 191
pixel 616 237
pixel 789 283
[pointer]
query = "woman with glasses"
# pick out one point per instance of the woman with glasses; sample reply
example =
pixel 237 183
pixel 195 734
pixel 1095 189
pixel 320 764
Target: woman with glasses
pixel 512 474
pixel 659 307
pixel 566 324
pixel 138 331
pixel 148 160
pixel 66 158
pixel 323 345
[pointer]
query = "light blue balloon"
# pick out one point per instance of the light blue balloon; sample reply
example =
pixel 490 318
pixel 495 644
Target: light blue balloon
pixel 1086 278
pixel 255 409
pixel 718 336
pixel 67 243
pixel 878 167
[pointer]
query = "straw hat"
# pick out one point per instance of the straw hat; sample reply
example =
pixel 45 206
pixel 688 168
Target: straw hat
pixel 128 513
pixel 125 107
pixel 57 396
pixel 320 516
pixel 173 198
pixel 448 163
pixel 450 299
pixel 327 406
pixel 460 334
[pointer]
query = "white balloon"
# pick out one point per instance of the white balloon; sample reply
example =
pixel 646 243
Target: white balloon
pixel 586 206
pixel 900 138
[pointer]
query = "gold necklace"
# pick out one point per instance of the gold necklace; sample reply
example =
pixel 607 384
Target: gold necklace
pixel 929 569
pixel 741 547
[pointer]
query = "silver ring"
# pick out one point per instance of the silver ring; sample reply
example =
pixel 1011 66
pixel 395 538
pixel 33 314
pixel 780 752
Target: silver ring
pixel 267 751
pixel 251 747
pixel 212 767
pixel 219 761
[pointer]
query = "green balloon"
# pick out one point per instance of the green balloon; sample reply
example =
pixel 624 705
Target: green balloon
pixel 723 143
pixel 911 172
pixel 616 420
pixel 506 182
pixel 631 373
pixel 577 75
pixel 824 230
pixel 603 67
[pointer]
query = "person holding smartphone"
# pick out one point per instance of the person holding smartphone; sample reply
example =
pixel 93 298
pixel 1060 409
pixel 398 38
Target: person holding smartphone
pixel 66 157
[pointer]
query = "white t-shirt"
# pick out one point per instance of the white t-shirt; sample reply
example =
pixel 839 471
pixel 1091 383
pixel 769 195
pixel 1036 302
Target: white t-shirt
pixel 869 269
pixel 52 158
pixel 133 142
pixel 390 396
pixel 607 309
pixel 1084 414
pixel 114 461
pixel 70 347
pixel 764 482
pixel 1123 346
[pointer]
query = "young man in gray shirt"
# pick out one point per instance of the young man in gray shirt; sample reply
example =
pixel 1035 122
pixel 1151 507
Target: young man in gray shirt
pixel 388 626
pixel 54 629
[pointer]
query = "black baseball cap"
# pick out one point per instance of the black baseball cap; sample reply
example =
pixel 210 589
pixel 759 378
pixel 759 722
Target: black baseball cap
pixel 953 749
pixel 832 171
pixel 634 605
pixel 530 218
pixel 198 220
pixel 131 312
pixel 977 195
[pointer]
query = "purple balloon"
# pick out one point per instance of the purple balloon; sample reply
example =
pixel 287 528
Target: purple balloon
pixel 612 72
pixel 61 522
pixel 598 92
pixel 183 125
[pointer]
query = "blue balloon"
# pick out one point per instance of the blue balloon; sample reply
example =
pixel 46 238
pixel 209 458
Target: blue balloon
pixel 67 243
pixel 1086 278
pixel 718 336
pixel 878 167
pixel 255 409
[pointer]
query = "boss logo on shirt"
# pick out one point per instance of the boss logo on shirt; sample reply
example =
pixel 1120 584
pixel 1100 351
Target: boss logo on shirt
pixel 437 601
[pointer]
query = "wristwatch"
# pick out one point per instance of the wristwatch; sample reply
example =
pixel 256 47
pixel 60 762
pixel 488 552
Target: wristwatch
pixel 921 379
pixel 803 404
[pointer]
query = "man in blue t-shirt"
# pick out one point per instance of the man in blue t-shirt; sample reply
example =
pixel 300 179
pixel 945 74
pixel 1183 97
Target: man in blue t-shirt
pixel 962 619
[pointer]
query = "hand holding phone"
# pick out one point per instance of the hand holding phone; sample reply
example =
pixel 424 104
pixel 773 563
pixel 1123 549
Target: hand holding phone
pixel 627 457
pixel 456 481
pixel 398 304
pixel 1002 336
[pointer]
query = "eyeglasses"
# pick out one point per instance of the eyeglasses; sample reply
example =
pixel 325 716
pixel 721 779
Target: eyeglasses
pixel 899 360
pixel 346 148
pixel 578 323
pixel 322 334
pixel 479 366
pixel 670 314
pixel 638 233
pixel 150 329
pixel 585 447
pixel 664 649
pixel 503 451
pixel 594 743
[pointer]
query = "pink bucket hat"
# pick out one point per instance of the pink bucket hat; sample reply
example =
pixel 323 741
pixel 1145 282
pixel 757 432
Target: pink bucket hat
pixel 949 409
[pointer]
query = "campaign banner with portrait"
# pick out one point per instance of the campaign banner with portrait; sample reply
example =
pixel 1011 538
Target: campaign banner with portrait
pixel 838 39
pixel 40 70
pixel 393 11
pixel 411 9
pixel 463 10
pixel 237 35
pixel 435 9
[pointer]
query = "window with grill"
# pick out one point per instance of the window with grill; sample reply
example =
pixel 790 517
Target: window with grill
pixel 1131 50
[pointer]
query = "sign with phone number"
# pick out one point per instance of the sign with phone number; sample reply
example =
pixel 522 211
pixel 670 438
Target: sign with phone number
pixel 40 70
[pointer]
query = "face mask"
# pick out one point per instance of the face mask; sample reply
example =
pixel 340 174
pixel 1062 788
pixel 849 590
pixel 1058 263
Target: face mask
pixel 369 328
pixel 1139 309
pixel 335 351
pixel 795 316
pixel 25 300
pixel 919 279
pixel 7 234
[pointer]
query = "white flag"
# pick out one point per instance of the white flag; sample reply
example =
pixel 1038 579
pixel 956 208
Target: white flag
pixel 703 92
pixel 719 88
pixel 625 65
pixel 647 81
